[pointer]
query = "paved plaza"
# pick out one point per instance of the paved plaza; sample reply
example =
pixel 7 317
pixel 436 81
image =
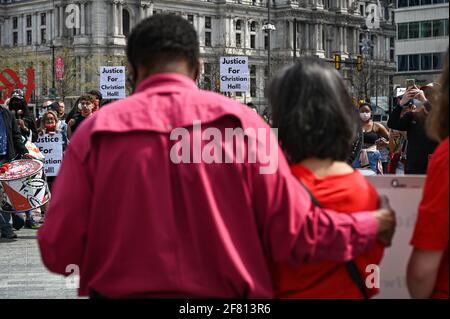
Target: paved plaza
pixel 23 275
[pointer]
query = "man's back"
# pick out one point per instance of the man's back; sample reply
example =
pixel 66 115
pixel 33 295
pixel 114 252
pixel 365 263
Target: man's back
pixel 158 227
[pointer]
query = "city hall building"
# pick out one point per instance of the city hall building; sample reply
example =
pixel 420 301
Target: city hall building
pixel 88 34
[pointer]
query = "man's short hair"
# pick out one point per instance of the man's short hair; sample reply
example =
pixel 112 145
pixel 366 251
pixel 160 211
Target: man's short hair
pixel 87 97
pixel 96 93
pixel 163 36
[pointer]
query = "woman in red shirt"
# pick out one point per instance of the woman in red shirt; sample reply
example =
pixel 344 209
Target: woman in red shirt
pixel 428 266
pixel 316 123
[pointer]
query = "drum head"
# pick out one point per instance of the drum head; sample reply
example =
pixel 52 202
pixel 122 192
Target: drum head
pixel 20 169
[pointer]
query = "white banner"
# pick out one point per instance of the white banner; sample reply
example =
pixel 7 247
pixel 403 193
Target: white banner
pixel 112 82
pixel 234 74
pixel 51 147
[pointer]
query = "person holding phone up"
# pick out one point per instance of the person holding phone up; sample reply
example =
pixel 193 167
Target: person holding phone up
pixel 420 146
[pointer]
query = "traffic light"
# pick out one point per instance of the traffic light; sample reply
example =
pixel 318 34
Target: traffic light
pixel 53 93
pixel 359 63
pixel 337 61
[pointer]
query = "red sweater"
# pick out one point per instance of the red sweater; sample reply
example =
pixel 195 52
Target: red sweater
pixel 348 193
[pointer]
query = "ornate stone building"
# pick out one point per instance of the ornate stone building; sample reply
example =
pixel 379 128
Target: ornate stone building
pixel 93 33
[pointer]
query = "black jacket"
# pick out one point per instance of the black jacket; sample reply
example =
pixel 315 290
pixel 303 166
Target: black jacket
pixel 420 146
pixel 14 137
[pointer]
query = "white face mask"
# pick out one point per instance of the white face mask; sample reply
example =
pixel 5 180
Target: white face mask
pixel 365 116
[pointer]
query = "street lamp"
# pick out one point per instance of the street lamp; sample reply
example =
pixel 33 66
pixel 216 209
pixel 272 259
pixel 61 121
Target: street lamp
pixel 269 27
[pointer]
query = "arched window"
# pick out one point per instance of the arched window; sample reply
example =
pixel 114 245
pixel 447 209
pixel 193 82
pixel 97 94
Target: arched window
pixel 126 22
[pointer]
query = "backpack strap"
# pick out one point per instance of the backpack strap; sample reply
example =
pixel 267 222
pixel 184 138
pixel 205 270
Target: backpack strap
pixel 350 265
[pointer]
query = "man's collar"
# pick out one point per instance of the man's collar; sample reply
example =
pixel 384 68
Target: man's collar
pixel 166 79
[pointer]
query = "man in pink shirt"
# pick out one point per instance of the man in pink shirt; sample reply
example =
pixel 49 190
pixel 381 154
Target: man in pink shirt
pixel 151 200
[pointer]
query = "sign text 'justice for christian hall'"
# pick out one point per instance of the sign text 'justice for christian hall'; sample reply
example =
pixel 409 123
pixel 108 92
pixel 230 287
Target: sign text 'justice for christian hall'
pixel 234 74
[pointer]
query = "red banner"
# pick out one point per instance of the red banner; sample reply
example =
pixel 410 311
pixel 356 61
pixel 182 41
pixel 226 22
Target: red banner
pixel 9 80
pixel 59 68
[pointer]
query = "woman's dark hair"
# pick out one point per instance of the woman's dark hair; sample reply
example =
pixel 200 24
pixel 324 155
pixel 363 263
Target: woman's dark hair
pixel 313 112
pixel 163 36
pixel 437 121
pixel 366 104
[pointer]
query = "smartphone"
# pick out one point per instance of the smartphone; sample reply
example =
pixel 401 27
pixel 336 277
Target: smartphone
pixel 410 83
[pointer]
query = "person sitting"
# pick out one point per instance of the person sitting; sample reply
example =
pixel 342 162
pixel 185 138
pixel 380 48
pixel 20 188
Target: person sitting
pixel 316 124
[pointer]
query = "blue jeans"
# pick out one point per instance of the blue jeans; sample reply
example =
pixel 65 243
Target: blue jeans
pixel 5 225
pixel 374 157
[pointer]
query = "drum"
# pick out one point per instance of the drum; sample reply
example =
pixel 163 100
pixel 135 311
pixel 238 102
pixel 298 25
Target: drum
pixel 23 185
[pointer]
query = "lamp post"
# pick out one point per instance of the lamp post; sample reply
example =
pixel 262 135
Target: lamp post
pixel 269 27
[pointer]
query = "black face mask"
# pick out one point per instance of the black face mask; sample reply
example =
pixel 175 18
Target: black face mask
pixel 14 106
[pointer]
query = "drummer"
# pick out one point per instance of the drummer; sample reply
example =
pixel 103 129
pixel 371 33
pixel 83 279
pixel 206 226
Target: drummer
pixel 11 147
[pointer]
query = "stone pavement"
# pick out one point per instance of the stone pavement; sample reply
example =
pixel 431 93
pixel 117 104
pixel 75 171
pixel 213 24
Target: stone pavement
pixel 22 273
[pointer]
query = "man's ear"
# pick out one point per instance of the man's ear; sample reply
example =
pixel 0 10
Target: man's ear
pixel 197 70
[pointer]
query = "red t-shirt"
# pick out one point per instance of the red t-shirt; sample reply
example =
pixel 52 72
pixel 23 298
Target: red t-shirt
pixel 431 232
pixel 349 193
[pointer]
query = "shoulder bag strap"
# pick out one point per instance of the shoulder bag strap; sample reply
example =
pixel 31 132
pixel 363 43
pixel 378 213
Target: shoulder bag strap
pixel 350 265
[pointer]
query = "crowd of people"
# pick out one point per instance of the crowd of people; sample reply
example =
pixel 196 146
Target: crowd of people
pixel 19 125
pixel 225 230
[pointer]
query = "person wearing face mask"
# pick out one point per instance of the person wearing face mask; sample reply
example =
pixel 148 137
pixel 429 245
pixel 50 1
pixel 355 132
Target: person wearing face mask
pixel 420 146
pixel 25 120
pixel 51 124
pixel 374 135
pixel 86 106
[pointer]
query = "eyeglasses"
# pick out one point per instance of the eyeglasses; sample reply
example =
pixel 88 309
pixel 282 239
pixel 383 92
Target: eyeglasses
pixel 87 104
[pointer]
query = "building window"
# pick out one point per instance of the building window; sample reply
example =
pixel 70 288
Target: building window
pixel 253 41
pixel 402 63
pixel 438 28
pixel 426 62
pixel 208 39
pixel 29 21
pixel 43 36
pixel 43 19
pixel 438 61
pixel 126 22
pixel 426 2
pixel 238 40
pixel 414 28
pixel 29 37
pixel 15 38
pixel 253 26
pixel 402 31
pixel 190 18
pixel 208 23
pixel 266 42
pixel 425 29
pixel 414 62
pixel 253 87
pixel 15 22
pixel 402 3
pixel 238 25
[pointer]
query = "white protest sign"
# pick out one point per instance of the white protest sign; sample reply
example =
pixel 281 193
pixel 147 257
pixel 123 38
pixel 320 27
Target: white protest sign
pixel 234 74
pixel 405 194
pixel 112 82
pixel 51 146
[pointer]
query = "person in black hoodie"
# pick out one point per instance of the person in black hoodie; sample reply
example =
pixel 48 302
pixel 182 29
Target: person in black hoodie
pixel 11 147
pixel 420 146
pixel 25 120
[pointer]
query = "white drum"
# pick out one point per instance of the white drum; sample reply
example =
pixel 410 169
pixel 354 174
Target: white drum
pixel 23 185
